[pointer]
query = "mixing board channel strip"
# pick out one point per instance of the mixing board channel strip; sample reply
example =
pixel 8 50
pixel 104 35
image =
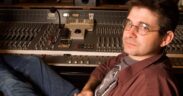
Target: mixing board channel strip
pixel 27 36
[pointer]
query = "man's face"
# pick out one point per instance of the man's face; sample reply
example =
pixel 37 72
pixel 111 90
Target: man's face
pixel 139 45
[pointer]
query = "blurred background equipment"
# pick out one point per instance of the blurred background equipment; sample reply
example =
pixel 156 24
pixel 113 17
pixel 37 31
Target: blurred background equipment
pixel 85 2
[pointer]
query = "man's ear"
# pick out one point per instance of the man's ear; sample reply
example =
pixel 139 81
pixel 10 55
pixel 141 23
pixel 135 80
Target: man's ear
pixel 167 39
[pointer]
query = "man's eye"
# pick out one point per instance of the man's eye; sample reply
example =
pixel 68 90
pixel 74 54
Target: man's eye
pixel 129 24
pixel 145 27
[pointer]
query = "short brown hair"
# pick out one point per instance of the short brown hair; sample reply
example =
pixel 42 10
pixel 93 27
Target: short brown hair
pixel 167 10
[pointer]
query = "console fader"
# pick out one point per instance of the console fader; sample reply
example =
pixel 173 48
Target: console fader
pixel 85 38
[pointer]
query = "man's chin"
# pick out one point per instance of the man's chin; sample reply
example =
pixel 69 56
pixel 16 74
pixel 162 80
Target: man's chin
pixel 129 52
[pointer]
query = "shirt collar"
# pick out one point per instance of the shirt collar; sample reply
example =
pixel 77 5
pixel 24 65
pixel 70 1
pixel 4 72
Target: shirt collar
pixel 131 70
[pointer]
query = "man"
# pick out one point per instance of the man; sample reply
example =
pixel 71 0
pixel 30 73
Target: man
pixel 141 70
pixel 144 70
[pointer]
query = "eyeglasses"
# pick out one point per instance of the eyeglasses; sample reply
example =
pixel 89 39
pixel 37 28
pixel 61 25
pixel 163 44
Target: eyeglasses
pixel 142 28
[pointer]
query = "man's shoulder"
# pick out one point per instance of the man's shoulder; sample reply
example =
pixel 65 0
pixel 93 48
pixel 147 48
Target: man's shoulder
pixel 157 71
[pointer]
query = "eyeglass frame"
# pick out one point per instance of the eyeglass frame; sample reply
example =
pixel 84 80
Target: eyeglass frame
pixel 146 27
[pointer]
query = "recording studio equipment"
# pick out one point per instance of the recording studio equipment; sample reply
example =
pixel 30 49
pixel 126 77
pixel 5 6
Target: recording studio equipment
pixel 89 37
pixel 55 10
pixel 85 2
pixel 78 27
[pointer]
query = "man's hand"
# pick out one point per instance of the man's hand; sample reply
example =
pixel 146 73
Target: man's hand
pixel 89 87
pixel 85 93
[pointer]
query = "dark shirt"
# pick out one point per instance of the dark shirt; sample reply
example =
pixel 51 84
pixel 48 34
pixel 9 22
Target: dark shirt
pixel 149 77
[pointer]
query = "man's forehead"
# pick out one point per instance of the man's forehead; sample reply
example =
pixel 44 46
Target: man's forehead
pixel 142 14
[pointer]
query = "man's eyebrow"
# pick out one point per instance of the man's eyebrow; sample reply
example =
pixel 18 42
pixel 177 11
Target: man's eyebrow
pixel 139 22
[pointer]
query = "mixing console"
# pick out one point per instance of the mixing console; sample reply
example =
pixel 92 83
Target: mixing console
pixel 29 36
pixel 177 45
pixel 85 38
pixel 177 62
